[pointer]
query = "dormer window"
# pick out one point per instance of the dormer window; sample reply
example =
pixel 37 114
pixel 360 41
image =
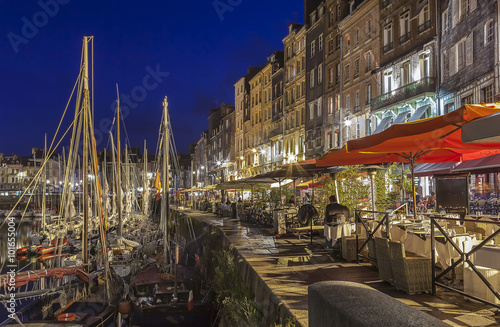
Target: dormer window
pixel 313 18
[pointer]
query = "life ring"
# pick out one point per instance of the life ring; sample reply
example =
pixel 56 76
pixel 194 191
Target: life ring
pixel 66 317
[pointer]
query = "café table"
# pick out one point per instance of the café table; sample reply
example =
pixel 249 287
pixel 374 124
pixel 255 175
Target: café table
pixel 334 231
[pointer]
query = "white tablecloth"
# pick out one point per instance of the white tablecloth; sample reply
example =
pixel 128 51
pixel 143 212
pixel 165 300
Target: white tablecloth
pixel 488 256
pixel 444 252
pixel 337 231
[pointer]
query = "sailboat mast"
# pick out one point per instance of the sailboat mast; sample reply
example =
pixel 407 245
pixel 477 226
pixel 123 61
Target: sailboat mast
pixel 86 102
pixel 119 166
pixel 165 186
pixel 44 182
pixel 144 182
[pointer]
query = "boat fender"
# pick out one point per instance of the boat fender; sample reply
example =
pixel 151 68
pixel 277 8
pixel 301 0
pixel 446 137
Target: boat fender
pixel 22 251
pixel 66 316
pixel 124 307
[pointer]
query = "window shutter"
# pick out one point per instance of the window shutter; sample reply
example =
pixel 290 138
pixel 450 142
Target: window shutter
pixel 453 56
pixel 469 53
pixel 454 12
pixel 473 5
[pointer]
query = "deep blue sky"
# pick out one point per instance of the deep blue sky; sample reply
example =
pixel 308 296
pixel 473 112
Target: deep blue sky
pixel 203 55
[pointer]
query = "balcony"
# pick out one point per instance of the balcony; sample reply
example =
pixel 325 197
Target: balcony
pixel 388 47
pixel 275 132
pixel 427 84
pixel 405 37
pixel 425 26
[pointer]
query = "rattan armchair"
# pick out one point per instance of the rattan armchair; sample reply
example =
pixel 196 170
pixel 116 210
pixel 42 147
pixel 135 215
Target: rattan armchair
pixel 383 259
pixel 411 274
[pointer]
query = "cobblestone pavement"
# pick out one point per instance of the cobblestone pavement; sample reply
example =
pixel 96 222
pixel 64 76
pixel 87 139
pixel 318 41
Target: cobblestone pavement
pixel 288 265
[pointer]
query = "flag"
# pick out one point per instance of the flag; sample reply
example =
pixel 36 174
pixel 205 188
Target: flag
pixel 157 185
pixel 190 301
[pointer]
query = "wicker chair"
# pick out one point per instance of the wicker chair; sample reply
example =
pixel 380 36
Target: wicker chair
pixel 383 259
pixel 459 229
pixel 411 274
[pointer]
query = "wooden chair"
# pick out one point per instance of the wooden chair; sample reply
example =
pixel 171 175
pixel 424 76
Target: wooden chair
pixel 411 274
pixel 383 259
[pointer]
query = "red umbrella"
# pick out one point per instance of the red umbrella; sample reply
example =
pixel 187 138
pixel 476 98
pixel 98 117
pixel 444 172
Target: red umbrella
pixel 436 139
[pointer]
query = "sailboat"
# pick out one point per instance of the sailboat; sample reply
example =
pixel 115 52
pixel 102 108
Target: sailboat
pixel 167 290
pixel 62 292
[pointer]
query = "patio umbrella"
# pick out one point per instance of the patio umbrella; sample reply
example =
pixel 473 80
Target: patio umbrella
pixel 436 139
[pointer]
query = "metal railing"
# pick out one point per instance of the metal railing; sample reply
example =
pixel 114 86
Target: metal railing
pixel 465 257
pixel 424 26
pixel 369 233
pixel 388 47
pixel 405 37
pixel 427 84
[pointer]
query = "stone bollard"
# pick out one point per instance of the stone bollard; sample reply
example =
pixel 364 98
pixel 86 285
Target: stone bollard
pixel 348 304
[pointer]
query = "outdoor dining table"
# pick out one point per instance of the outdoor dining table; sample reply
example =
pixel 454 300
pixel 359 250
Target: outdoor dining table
pixel 336 231
pixel 418 240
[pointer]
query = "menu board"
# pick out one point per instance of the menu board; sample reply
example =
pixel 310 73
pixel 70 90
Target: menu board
pixel 452 194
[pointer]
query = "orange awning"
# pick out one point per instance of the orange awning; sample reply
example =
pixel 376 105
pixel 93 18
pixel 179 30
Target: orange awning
pixel 436 139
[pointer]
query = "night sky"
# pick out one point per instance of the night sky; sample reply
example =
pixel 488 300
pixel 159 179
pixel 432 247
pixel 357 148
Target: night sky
pixel 198 53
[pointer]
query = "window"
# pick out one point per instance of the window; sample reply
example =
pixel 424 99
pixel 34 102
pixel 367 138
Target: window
pixel 388 38
pixel 313 18
pixel 338 12
pixel 489 29
pixel 368 127
pixel 347 102
pixel 424 20
pixel 356 40
pixel 405 73
pixel 424 65
pixel 311 80
pixel 347 43
pixel 358 130
pixel 449 107
pixel 368 56
pixel 320 43
pixel 311 111
pixel 320 74
pixel 404 27
pixel 313 49
pixel 356 101
pixel 469 99
pixel 387 82
pixel 332 18
pixel 330 76
pixel 320 107
pixel 368 93
pixel 368 29
pixel 461 54
pixel 444 22
pixel 356 68
pixel 346 77
pixel 337 41
pixel 487 94
pixel 330 105
pixel 330 45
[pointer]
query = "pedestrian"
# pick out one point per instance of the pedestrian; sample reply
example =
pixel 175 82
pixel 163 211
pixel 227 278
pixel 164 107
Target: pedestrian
pixel 335 213
pixel 291 201
pixel 306 199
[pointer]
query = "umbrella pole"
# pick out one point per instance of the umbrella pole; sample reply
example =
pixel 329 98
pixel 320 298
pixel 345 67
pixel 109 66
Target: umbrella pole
pixel 294 199
pixel 312 202
pixel 336 189
pixel 412 168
